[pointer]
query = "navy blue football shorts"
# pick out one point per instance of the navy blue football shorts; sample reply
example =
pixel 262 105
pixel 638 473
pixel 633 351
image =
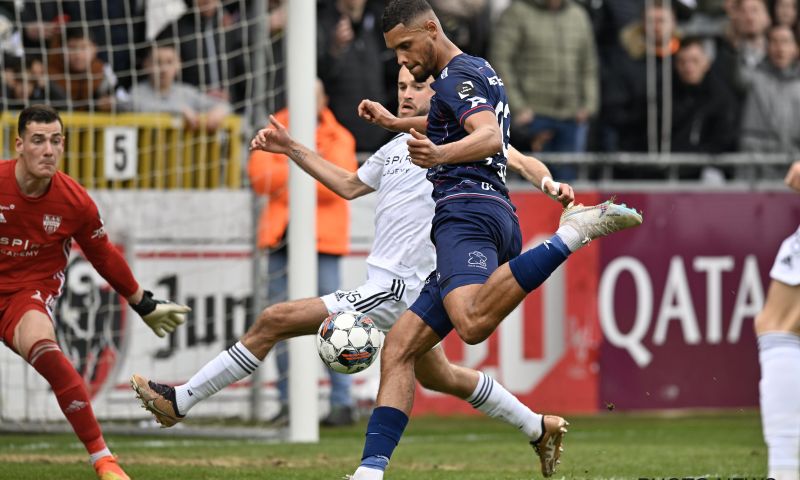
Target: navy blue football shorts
pixel 472 237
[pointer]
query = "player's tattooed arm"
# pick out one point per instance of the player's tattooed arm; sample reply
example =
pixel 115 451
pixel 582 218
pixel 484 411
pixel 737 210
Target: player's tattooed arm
pixel 276 139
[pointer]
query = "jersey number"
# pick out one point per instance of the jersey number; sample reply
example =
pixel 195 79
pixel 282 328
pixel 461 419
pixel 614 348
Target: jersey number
pixel 502 112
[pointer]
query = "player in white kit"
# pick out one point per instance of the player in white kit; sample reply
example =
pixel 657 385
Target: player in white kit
pixel 401 259
pixel 778 330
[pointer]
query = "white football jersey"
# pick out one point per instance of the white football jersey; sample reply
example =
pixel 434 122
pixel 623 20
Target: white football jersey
pixel 403 212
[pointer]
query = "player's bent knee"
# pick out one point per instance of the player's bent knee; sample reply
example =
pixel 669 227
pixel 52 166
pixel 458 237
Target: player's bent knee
pixel 473 333
pixel 472 325
pixel 396 350
pixel 272 324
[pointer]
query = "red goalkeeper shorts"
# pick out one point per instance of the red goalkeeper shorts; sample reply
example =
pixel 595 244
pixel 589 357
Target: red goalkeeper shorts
pixel 14 305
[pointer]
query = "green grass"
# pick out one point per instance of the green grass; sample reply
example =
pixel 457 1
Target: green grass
pixel 613 445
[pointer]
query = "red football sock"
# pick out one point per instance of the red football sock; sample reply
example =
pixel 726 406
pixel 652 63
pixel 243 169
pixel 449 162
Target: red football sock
pixel 73 398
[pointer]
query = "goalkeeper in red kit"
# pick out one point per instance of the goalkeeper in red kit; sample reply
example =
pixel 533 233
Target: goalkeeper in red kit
pixel 41 211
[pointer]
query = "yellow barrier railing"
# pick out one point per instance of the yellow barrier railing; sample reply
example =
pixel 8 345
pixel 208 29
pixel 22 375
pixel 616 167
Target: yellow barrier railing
pixel 167 155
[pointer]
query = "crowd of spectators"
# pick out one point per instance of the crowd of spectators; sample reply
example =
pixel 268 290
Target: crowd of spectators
pixel 706 76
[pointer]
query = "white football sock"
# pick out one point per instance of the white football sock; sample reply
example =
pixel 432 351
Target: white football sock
pixel 366 473
pixel 230 366
pixel 494 400
pixel 93 458
pixel 571 238
pixel 779 355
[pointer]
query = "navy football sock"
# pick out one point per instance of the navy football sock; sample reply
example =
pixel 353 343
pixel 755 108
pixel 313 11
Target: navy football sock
pixel 384 430
pixel 533 267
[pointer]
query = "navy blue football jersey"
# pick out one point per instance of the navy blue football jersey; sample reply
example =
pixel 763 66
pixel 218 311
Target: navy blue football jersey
pixel 465 86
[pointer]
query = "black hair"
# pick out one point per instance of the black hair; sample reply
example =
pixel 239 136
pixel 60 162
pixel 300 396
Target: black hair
pixel 79 32
pixel 403 11
pixel 12 62
pixel 166 43
pixel 37 114
pixel 699 41
pixel 772 28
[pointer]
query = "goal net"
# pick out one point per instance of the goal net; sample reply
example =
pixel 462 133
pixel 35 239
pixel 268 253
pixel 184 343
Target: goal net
pixel 187 240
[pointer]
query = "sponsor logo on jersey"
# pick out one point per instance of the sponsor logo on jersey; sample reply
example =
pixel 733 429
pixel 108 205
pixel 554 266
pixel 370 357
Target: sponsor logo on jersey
pixel 465 89
pixel 5 207
pixel 495 80
pixel 477 259
pixel 51 223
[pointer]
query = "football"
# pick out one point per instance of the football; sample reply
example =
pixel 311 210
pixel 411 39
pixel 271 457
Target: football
pixel 348 342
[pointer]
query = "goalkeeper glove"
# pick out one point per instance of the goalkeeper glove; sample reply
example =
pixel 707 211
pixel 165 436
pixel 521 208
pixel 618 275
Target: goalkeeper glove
pixel 160 315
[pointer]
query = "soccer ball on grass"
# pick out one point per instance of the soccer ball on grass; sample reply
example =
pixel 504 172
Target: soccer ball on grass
pixel 348 342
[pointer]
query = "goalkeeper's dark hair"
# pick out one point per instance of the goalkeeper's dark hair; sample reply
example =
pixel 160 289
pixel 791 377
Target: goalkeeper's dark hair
pixel 37 114
pixel 403 11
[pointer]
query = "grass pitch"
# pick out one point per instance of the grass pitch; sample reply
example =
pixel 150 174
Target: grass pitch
pixel 614 445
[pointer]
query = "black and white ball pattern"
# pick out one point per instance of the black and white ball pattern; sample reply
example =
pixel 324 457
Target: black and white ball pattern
pixel 348 342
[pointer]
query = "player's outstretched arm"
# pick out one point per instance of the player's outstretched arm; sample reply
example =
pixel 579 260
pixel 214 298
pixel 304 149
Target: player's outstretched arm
pixel 162 316
pixel 377 114
pixel 276 139
pixel 793 176
pixel 533 170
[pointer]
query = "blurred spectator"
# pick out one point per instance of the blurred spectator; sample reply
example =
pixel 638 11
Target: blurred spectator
pixel 770 121
pixel 544 51
pixel 269 174
pixel 162 93
pixel 89 83
pixel 625 103
pixel 212 51
pixel 609 17
pixel 703 108
pixel 713 7
pixel 117 27
pixel 783 13
pixel 466 22
pixel 29 85
pixel 742 48
pixel 704 111
pixel 350 61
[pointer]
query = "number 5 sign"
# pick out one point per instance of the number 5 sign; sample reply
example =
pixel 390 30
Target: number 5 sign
pixel 121 152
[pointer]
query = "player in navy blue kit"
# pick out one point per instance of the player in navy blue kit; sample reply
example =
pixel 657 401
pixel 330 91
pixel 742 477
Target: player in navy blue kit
pixel 480 275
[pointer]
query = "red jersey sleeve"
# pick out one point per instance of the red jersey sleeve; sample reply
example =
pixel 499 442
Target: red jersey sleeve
pixel 106 259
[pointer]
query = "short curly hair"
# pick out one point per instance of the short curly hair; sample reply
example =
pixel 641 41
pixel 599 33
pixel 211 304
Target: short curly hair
pixel 403 11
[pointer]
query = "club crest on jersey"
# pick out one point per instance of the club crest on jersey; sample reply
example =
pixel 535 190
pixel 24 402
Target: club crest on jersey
pixel 51 223
pixel 465 89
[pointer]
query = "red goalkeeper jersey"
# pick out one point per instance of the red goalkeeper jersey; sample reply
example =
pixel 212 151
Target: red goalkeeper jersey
pixel 36 235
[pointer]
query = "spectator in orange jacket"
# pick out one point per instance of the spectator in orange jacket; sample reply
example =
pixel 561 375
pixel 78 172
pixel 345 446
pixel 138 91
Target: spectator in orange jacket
pixel 269 176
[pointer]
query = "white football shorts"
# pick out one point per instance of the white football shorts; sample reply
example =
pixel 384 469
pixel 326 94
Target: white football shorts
pixel 384 297
pixel 786 268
